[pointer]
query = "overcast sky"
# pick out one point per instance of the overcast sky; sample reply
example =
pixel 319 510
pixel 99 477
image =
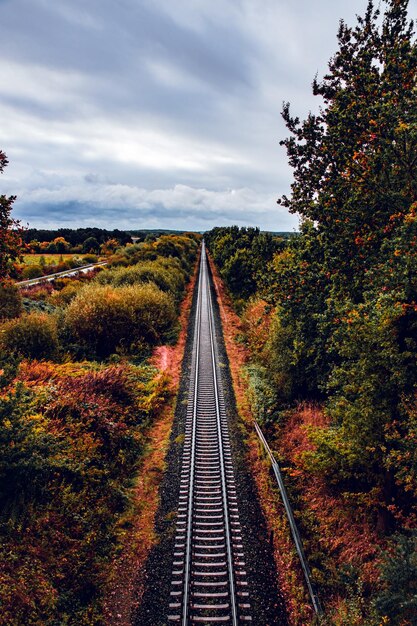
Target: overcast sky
pixel 157 113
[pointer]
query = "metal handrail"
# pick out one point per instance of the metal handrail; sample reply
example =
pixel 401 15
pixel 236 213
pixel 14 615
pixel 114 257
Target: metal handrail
pixel 294 530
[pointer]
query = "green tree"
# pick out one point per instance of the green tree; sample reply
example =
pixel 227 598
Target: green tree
pixel 398 599
pixel 10 300
pixel 91 245
pixel 355 163
pixel 10 239
pixel 352 309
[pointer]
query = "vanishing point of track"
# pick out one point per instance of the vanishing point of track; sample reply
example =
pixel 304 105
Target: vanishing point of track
pixel 208 585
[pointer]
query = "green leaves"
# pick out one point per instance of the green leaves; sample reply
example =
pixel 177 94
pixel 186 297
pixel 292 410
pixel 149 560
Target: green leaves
pixel 10 241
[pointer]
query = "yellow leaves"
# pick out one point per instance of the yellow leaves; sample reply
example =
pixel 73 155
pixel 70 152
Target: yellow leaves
pixel 40 423
pixel 402 127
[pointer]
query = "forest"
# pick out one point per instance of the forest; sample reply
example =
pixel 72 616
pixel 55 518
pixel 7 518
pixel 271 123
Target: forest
pixel 329 319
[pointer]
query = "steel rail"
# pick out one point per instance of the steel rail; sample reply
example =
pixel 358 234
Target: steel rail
pixel 293 525
pixel 222 468
pixel 193 446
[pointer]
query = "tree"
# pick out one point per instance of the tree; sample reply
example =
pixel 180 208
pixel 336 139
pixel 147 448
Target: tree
pixel 91 245
pixel 109 246
pixel 398 599
pixel 10 300
pixel 10 237
pixel 355 188
pixel 355 163
pixel 61 245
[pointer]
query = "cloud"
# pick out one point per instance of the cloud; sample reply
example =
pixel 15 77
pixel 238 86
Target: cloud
pixel 123 206
pixel 142 102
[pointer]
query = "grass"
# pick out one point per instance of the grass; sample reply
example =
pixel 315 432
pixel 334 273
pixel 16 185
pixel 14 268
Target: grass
pixel 50 259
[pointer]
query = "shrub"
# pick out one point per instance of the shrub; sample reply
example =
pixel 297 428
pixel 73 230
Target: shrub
pixel 90 258
pixel 148 272
pixel 10 301
pixel 32 271
pixel 40 291
pixel 398 599
pixel 67 293
pixel 34 336
pixel 106 319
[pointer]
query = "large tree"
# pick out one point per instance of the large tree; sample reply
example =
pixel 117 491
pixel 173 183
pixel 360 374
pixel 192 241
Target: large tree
pixel 355 162
pixel 10 238
pixel 347 291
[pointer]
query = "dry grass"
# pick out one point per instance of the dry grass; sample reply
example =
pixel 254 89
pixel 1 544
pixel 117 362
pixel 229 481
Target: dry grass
pixel 50 259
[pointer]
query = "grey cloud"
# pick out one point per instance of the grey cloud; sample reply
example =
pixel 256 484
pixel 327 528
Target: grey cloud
pixel 155 107
pixel 132 207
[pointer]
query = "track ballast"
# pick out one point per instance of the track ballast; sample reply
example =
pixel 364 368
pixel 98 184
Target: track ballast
pixel 208 583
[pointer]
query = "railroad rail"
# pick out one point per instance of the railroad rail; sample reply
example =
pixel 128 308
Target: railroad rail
pixel 208 584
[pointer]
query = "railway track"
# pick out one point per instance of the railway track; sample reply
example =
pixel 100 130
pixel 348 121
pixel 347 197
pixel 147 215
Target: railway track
pixel 208 584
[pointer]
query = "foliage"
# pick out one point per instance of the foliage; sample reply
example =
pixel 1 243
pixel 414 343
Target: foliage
pixel 344 290
pixel 10 301
pixel 354 163
pixel 32 271
pixel 10 231
pixel 72 434
pixel 74 237
pixel 68 450
pixel 69 290
pixel 398 599
pixel 32 335
pixel 104 318
pixel 241 254
pixel 172 247
pixel 168 277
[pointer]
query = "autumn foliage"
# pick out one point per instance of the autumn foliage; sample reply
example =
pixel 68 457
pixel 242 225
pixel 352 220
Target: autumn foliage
pixel 10 238
pixel 77 398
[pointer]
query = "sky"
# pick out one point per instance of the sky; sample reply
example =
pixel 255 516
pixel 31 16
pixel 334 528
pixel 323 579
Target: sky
pixel 157 113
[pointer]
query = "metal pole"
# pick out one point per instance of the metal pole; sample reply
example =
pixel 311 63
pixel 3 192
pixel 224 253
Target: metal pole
pixel 294 530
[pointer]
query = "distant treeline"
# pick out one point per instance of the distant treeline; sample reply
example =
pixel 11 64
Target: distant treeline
pixel 76 236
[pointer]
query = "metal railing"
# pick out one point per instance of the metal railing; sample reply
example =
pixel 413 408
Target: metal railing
pixel 294 530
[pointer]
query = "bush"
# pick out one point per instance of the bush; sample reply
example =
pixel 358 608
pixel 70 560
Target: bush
pixel 32 271
pixel 148 272
pixel 105 319
pixel 66 294
pixel 398 599
pixel 34 336
pixel 10 301
pixel 90 258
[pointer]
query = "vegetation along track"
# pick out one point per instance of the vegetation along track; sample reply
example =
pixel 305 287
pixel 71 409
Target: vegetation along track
pixel 209 583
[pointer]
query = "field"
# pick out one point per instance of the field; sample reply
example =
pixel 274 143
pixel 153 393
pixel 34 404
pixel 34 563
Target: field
pixel 50 259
